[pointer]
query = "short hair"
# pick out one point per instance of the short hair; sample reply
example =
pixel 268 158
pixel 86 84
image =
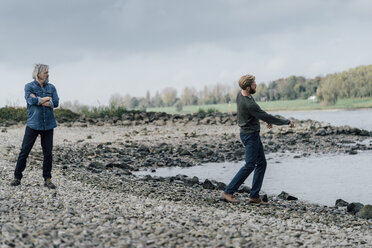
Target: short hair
pixel 38 69
pixel 246 81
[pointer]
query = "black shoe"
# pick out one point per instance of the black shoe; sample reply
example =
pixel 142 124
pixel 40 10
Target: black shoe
pixel 48 183
pixel 15 182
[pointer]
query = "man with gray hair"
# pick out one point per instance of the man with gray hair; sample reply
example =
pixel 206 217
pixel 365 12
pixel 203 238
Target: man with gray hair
pixel 41 97
pixel 249 116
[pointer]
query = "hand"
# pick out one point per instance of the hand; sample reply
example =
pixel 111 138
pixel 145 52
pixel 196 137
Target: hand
pixel 292 124
pixel 46 104
pixel 45 99
pixel 32 95
pixel 269 125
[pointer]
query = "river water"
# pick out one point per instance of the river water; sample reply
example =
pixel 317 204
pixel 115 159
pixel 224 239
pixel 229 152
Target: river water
pixel 318 179
pixel 315 179
pixel 360 118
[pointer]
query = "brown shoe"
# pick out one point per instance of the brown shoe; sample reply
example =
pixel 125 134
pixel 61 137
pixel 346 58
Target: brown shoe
pixel 228 198
pixel 257 201
pixel 48 183
pixel 15 182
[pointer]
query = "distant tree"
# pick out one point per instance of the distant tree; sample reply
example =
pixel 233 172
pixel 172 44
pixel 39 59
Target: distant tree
pixel 127 101
pixel 157 100
pixel 234 90
pixel 299 89
pixel 226 98
pixel 143 104
pixel 169 95
pixel 74 106
pixel 327 92
pixel 261 92
pixel 148 99
pixel 209 95
pixel 221 93
pixel 189 96
pixel 200 97
pixel 217 91
pixel 133 103
pixel 311 87
pixel 116 100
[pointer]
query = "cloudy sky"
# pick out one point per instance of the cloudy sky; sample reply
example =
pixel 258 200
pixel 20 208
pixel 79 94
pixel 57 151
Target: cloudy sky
pixel 96 48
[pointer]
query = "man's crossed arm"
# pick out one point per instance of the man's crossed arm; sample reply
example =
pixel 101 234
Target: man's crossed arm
pixel 44 101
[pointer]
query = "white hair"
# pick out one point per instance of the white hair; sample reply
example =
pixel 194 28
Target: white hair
pixel 38 69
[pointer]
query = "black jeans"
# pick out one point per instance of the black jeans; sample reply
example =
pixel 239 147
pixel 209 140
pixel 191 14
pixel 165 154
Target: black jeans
pixel 27 144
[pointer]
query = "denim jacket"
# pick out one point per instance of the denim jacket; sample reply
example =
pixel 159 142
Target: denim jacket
pixel 38 116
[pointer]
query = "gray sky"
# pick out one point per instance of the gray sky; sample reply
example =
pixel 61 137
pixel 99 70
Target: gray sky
pixel 96 48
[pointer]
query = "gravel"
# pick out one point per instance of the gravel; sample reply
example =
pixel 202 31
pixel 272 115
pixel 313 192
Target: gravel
pixel 110 207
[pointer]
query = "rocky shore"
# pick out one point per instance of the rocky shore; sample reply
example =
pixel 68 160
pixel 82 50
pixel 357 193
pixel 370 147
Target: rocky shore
pixel 100 203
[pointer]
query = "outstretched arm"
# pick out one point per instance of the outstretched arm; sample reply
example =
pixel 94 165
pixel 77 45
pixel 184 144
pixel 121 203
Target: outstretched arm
pixel 291 124
pixel 257 112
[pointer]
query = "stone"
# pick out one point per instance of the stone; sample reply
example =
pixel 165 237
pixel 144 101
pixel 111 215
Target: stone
pixel 191 181
pixel 119 166
pixel 341 203
pixel 96 166
pixel 244 189
pixel 365 212
pixel 353 152
pixel 264 198
pixel 354 207
pixel 184 152
pixel 285 196
pixel 220 185
pixel 208 184
pixel 321 132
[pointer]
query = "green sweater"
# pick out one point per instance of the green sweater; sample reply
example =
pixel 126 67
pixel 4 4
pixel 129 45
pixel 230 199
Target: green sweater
pixel 249 114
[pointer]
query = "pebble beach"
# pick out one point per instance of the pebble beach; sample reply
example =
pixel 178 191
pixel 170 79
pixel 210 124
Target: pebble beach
pixel 99 202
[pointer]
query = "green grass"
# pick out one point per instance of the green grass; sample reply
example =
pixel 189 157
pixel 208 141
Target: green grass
pixel 290 105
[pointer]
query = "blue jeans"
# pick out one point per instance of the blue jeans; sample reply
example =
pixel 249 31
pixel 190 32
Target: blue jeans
pixel 254 161
pixel 27 144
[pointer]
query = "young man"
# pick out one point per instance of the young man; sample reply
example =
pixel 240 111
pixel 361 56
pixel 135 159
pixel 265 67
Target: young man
pixel 41 98
pixel 249 114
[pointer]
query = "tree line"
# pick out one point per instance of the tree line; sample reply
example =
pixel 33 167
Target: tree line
pixel 354 83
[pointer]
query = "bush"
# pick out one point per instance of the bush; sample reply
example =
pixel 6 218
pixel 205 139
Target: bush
pixel 212 110
pixel 20 114
pixel 13 113
pixel 101 112
pixel 201 111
